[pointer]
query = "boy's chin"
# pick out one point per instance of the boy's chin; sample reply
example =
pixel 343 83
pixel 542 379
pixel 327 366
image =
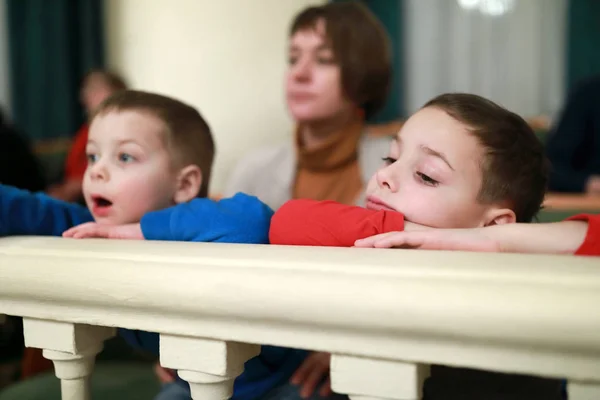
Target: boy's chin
pixel 105 221
pixel 415 226
pixel 113 220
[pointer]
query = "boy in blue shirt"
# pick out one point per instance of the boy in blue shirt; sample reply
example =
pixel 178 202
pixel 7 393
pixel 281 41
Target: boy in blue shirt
pixel 149 164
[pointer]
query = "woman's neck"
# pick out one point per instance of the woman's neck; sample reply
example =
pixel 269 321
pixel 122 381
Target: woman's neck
pixel 313 134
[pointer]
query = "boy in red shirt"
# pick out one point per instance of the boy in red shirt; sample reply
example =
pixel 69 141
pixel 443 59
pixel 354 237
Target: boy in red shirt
pixel 428 182
pixel 460 162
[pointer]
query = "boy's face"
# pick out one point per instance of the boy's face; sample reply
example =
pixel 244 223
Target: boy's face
pixel 129 169
pixel 432 174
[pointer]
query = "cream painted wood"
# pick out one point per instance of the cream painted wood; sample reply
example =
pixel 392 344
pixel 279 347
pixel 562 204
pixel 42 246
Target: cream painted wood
pixel 209 366
pixel 387 379
pixel 72 348
pixel 583 390
pixel 527 314
pixel 74 371
pixel 64 336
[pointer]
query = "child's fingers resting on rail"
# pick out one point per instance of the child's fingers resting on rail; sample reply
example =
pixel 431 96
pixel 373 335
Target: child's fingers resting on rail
pixel 435 239
pixel 373 241
pixel 95 230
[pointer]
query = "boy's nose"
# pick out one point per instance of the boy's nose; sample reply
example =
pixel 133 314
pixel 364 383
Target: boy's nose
pixel 98 172
pixel 385 179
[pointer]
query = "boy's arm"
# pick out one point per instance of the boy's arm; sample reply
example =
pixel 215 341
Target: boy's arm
pixel 327 223
pixel 568 237
pixel 26 213
pixel 550 238
pixel 239 219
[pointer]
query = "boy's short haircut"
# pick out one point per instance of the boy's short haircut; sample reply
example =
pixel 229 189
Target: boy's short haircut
pixel 360 46
pixel 515 168
pixel 188 135
pixel 112 79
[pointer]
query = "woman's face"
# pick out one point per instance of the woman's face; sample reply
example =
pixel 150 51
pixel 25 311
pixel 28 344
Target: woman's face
pixel 313 81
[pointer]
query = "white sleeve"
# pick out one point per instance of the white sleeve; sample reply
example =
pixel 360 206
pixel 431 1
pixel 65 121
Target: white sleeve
pixel 240 179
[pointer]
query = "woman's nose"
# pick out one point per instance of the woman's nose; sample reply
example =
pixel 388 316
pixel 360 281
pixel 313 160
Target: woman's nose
pixel 301 71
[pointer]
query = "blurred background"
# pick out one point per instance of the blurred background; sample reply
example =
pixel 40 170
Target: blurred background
pixel 229 59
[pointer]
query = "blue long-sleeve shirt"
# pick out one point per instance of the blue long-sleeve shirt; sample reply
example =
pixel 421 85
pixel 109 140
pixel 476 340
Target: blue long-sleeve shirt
pixel 239 219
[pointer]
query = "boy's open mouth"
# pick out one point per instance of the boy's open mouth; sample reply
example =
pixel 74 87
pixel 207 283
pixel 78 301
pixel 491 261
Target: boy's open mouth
pixel 101 202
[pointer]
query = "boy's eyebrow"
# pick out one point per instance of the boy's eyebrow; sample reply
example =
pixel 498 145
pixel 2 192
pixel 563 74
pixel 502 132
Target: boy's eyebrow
pixel 437 154
pixel 125 141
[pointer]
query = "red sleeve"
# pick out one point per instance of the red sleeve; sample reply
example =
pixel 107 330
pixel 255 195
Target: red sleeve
pixel 327 223
pixel 76 162
pixel 591 244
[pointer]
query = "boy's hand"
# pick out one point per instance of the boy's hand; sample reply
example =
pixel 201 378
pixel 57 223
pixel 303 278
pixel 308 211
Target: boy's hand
pixel 95 230
pixel 434 239
pixel 311 373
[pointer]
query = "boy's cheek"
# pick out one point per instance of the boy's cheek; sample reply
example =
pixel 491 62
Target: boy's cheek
pixel 425 215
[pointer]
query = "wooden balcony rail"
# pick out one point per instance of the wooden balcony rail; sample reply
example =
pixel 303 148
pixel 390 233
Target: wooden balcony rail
pixel 383 314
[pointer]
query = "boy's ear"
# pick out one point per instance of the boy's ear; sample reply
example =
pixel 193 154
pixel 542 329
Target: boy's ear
pixel 189 182
pixel 500 216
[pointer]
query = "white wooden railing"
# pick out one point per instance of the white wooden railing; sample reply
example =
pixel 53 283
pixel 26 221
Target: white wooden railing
pixel 385 315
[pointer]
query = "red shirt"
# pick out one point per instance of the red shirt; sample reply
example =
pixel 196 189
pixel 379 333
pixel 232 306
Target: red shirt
pixel 327 223
pixel 76 162
pixel 591 244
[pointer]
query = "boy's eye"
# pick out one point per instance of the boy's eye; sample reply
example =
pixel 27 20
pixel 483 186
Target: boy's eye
pixel 126 158
pixel 427 180
pixel 92 158
pixel 389 160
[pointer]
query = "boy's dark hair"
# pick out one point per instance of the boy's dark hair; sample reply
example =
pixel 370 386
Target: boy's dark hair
pixel 112 79
pixel 360 46
pixel 187 134
pixel 515 167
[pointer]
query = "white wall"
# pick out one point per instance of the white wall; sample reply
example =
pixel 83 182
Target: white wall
pixel 226 57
